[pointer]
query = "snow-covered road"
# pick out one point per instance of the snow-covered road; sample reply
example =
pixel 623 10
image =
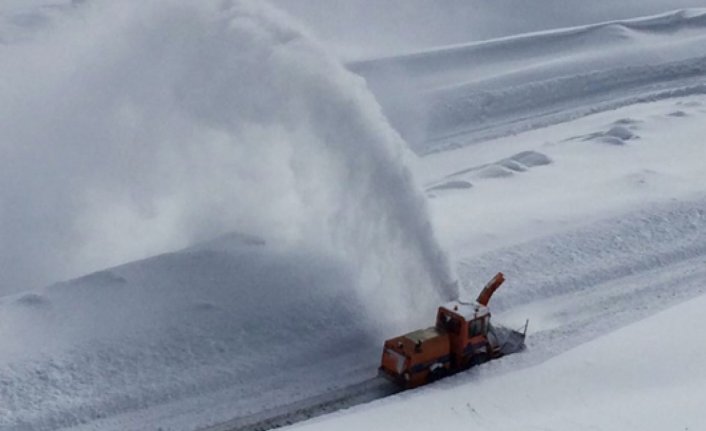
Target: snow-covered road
pixel 645 376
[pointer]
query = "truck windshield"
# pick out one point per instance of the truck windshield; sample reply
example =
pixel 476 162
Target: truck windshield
pixel 449 323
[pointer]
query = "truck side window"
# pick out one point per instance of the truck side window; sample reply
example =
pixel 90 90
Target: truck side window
pixel 449 323
pixel 475 328
pixel 454 325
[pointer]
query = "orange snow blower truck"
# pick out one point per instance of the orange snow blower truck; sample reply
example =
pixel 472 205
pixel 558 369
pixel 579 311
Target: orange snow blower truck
pixel 462 337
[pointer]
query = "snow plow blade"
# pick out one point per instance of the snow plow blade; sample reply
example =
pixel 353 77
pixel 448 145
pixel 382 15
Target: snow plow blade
pixel 510 340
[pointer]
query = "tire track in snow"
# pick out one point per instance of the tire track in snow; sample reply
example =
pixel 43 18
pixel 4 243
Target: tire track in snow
pixel 360 393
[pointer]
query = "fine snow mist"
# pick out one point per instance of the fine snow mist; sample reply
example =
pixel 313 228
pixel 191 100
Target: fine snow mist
pixel 135 128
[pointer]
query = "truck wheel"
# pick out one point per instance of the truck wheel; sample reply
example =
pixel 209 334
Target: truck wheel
pixel 436 374
pixel 479 359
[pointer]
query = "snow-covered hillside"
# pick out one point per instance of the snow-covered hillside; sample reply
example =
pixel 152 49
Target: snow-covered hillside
pixel 598 223
pixel 227 317
pixel 361 28
pixel 448 97
pixel 591 240
pixel 572 160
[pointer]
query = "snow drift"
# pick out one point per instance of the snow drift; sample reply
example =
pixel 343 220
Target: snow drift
pixel 135 128
pixel 470 92
pixel 231 321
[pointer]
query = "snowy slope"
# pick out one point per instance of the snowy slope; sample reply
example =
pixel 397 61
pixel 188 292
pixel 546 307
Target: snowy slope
pixel 568 174
pixel 220 316
pixel 399 26
pixel 192 356
pixel 598 223
pixel 597 220
pixel 454 96
pixel 587 248
pixel 118 144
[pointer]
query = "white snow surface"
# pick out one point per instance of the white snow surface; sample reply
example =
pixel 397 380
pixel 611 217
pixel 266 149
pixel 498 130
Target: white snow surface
pixel 646 376
pixel 571 160
pixel 456 95
pixel 177 326
pixel 594 245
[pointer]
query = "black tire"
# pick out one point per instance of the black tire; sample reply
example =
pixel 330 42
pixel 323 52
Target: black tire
pixel 436 374
pixel 479 359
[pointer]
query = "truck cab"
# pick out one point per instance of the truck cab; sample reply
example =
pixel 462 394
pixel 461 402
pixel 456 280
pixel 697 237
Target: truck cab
pixel 467 325
pixel 461 337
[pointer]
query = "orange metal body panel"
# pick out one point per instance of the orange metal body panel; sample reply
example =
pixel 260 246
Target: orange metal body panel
pixel 464 348
pixel 422 351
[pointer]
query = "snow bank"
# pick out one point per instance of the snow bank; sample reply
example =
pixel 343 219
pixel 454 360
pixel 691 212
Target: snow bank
pixel 570 262
pixel 145 127
pixel 232 316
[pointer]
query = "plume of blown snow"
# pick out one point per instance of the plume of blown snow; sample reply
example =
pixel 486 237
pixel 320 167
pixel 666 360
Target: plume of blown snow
pixel 139 127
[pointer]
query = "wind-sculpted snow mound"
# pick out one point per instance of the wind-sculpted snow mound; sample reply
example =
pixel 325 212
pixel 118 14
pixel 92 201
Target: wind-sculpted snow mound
pixel 166 123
